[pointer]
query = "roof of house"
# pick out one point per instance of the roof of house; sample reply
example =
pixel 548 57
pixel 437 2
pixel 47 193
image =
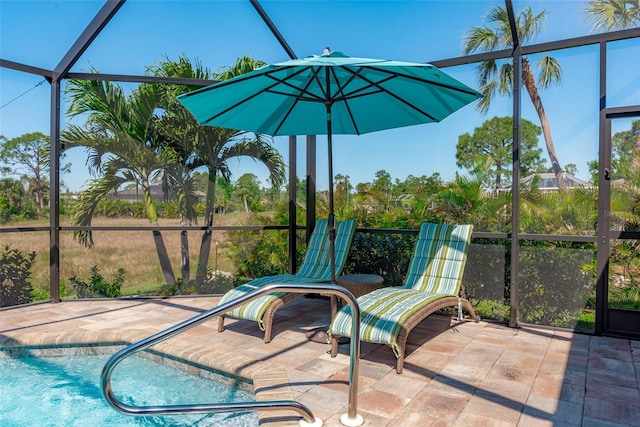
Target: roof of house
pixel 548 181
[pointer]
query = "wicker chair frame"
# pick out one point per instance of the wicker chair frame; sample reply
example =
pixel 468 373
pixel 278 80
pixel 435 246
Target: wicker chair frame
pixel 414 320
pixel 269 314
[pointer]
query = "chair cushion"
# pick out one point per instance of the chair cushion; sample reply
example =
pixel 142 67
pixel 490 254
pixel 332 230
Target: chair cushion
pixel 255 309
pixel 317 260
pixel 439 258
pixel 382 312
pixel 316 268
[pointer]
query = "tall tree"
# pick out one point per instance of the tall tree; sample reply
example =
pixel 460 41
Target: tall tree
pixel 122 145
pixel 493 141
pixel 494 78
pixel 343 194
pixel 207 146
pixel 625 153
pixel 12 198
pixel 247 192
pixel 611 15
pixel 28 154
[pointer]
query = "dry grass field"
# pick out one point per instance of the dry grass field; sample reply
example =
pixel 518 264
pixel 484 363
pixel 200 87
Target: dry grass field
pixel 134 251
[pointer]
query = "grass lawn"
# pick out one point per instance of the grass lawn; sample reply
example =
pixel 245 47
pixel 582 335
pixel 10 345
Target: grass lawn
pixel 134 251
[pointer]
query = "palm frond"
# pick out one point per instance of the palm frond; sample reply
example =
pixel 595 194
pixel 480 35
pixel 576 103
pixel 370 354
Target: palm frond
pixel 82 211
pixel 481 39
pixel 487 92
pixel 259 150
pixel 505 78
pixel 550 72
pixel 529 24
pixel 610 15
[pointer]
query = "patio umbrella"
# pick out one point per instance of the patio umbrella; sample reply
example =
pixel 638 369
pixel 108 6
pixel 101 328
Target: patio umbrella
pixel 330 94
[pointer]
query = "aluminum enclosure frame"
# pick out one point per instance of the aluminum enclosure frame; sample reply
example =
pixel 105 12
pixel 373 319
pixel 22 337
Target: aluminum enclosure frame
pixel 112 7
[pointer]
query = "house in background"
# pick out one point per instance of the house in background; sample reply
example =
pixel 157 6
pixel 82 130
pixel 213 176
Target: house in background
pixel 157 194
pixel 548 182
pixel 136 194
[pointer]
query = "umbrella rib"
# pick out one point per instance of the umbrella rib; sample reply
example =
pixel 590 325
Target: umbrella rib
pixel 267 89
pixel 340 88
pixel 300 91
pixel 348 107
pixel 443 85
pixel 325 96
pixel 215 116
pixel 222 83
pixel 313 98
pixel 293 104
pixel 357 93
pixel 393 95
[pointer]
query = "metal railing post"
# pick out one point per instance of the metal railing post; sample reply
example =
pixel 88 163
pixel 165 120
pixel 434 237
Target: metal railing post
pixel 351 418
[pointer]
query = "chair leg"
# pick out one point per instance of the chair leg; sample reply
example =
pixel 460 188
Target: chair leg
pixel 221 323
pixel 401 341
pixel 267 332
pixel 334 346
pixel 472 313
pixel 400 362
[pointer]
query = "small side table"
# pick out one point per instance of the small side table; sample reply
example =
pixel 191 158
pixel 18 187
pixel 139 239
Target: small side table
pixel 360 284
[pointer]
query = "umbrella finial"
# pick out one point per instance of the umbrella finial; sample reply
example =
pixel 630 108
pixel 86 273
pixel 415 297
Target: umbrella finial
pixel 326 51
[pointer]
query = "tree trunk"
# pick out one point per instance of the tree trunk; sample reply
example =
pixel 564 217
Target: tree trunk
pixel 205 245
pixel 635 156
pixel 184 255
pixel 161 249
pixel 529 83
pixel 39 200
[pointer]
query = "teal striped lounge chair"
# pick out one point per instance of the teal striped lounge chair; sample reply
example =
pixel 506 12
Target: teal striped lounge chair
pixel 433 282
pixel 316 268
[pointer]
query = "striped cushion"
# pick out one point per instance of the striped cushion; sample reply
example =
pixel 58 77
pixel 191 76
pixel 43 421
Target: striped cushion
pixel 435 271
pixel 382 313
pixel 439 258
pixel 315 268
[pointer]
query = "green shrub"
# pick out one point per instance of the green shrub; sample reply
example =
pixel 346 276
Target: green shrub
pixel 168 209
pixel 214 283
pixel 6 210
pixel 586 321
pixel 488 309
pixel 554 285
pixel 98 286
pixel 15 269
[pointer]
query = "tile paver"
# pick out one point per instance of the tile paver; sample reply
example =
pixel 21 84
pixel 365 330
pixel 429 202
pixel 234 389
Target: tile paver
pixel 455 374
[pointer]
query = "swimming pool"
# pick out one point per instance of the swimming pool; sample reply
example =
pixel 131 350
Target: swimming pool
pixel 65 391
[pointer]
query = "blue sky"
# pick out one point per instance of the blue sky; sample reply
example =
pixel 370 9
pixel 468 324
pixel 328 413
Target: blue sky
pixel 218 32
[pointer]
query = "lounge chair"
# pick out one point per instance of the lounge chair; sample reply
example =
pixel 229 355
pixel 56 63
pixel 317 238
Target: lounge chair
pixel 433 282
pixel 316 268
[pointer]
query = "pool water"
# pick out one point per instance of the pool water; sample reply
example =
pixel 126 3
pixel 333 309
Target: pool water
pixel 65 391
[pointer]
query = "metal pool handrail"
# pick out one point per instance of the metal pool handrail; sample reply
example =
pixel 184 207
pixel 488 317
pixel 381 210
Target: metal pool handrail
pixel 352 417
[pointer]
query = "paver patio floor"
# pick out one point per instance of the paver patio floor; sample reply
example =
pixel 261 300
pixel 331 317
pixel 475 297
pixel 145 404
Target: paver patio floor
pixel 455 374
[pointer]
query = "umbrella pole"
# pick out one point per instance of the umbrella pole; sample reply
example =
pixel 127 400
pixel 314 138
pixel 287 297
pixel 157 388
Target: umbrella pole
pixel 332 217
pixel 331 223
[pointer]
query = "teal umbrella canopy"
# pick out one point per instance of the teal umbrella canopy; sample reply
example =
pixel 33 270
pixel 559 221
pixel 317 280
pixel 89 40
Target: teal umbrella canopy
pixel 358 95
pixel 330 94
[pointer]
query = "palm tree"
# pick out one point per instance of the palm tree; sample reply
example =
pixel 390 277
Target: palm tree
pixel 493 78
pixel 464 200
pixel 611 15
pixel 120 138
pixel 211 147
